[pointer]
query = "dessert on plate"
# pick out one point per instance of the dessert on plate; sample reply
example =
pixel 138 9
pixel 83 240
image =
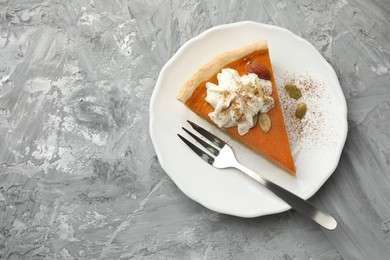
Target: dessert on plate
pixel 236 92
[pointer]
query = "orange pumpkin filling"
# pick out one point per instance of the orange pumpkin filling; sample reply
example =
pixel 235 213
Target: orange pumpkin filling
pixel 273 145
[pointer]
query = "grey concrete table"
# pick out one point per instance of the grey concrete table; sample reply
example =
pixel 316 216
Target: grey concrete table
pixel 79 178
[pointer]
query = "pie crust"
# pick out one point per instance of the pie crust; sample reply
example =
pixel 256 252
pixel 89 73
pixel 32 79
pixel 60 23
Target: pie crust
pixel 215 66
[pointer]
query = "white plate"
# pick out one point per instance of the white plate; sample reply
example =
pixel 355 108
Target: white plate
pixel 229 191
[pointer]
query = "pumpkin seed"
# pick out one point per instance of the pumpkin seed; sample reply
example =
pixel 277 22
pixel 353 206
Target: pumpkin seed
pixel 265 122
pixel 293 91
pixel 255 117
pixel 300 111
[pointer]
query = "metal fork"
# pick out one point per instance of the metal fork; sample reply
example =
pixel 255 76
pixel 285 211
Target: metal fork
pixel 224 158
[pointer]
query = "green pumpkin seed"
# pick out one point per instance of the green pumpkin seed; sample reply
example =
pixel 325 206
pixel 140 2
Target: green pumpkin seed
pixel 293 91
pixel 300 111
pixel 265 122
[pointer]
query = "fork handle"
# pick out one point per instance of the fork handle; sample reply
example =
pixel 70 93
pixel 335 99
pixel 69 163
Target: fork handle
pixel 302 206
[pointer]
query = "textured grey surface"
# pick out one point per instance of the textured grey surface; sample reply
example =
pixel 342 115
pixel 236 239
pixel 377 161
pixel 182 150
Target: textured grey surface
pixel 79 178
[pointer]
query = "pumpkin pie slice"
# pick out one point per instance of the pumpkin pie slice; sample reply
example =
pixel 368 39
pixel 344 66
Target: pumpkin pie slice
pixel 211 94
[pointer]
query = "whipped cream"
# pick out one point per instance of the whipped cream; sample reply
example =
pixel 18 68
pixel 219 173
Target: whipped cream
pixel 237 100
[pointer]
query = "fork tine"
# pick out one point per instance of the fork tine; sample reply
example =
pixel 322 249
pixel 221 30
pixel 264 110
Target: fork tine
pixel 203 143
pixel 203 155
pixel 215 140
